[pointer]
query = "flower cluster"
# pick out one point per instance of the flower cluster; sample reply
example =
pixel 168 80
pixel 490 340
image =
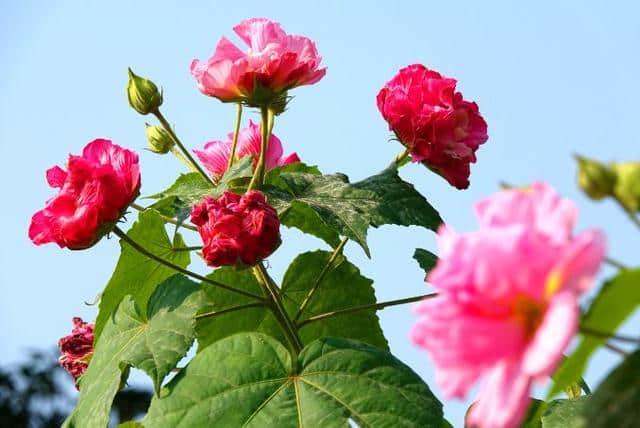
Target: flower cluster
pixel 274 63
pixel 440 128
pixel 94 192
pixel 215 154
pixel 77 348
pixel 507 304
pixel 236 230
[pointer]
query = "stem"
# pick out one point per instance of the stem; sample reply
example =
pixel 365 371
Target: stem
pixel 235 136
pixel 165 218
pixel 601 334
pixel 194 248
pixel 278 308
pixel 177 268
pixel 266 125
pixel 186 153
pixel 184 160
pixel 615 263
pixel 633 217
pixel 366 307
pixel 227 310
pixel 319 279
pixel 399 160
pixel 616 349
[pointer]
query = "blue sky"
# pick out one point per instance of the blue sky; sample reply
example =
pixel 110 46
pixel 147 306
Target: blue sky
pixel 550 79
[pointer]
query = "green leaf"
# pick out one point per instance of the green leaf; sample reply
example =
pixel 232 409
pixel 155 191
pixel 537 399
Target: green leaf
pixel 617 300
pixel 339 205
pixel 398 202
pixel 211 329
pixel 565 414
pixel 273 175
pixel 342 287
pixel 249 380
pixel 136 274
pixel 189 189
pixel 153 341
pixel 426 259
pixel 534 413
pixel 130 424
pixel 616 403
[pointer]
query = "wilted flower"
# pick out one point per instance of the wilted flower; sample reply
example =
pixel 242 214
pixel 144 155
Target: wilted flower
pixel 77 348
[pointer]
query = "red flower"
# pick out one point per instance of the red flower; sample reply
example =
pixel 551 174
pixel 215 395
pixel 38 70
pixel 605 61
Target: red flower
pixel 94 192
pixel 77 348
pixel 440 128
pixel 237 230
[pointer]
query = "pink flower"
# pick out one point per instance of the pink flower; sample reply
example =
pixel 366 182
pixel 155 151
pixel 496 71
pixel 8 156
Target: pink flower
pixel 94 192
pixel 440 128
pixel 236 230
pixel 215 155
pixel 274 63
pixel 77 348
pixel 507 305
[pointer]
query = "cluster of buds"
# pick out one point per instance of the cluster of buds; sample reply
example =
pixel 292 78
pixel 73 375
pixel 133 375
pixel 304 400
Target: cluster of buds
pixel 619 180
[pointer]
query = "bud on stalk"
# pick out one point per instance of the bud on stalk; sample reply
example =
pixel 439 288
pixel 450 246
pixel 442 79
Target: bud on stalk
pixel 143 94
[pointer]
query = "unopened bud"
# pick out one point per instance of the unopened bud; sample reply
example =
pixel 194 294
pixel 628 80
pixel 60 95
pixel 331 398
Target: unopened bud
pixel 627 187
pixel 594 178
pixel 143 94
pixel 159 139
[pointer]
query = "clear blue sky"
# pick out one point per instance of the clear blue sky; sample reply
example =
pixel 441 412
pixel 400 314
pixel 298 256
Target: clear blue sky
pixel 550 79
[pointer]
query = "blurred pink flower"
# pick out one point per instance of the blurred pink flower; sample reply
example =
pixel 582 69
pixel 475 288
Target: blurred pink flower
pixel 507 307
pixel 439 127
pixel 215 154
pixel 274 63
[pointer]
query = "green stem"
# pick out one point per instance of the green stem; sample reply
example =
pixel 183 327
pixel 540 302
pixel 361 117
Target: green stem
pixel 184 150
pixel 616 349
pixel 194 248
pixel 615 263
pixel 266 125
pixel 604 335
pixel 126 238
pixel 277 307
pixel 184 160
pixel 400 159
pixel 166 219
pixel 375 306
pixel 227 310
pixel 319 279
pixel 236 130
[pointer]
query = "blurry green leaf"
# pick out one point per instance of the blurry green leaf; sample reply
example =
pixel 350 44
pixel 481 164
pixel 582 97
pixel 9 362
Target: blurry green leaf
pixel 534 413
pixel 426 259
pixel 249 380
pixel 617 300
pixel 342 287
pixel 153 341
pixel 616 403
pixel 137 275
pixel 565 414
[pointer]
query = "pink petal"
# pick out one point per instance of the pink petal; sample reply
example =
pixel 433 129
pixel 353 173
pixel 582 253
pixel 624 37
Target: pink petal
pixel 56 176
pixel 257 33
pixel 503 398
pixel 215 157
pixel 292 158
pixel 226 50
pixel 552 336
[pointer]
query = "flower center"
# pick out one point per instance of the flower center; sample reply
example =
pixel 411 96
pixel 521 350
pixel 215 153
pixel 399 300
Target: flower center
pixel 528 313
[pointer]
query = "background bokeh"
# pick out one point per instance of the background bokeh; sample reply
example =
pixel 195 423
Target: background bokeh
pixel 551 79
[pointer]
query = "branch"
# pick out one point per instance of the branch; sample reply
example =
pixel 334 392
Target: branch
pixel 375 306
pixel 227 310
pixel 177 268
pixel 603 335
pixel 165 218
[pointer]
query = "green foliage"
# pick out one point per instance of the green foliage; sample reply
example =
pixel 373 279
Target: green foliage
pixel 426 259
pixel 137 275
pixel 348 209
pixel 616 403
pixel 153 341
pixel 565 413
pixel 250 380
pixel 342 287
pixel 618 298
pixel 190 188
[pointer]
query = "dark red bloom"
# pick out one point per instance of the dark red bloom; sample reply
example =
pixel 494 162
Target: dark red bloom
pixel 440 128
pixel 236 230
pixel 77 348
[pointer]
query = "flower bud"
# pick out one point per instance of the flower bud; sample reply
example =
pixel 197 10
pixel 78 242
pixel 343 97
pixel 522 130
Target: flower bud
pixel 159 139
pixel 627 186
pixel 594 178
pixel 143 94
